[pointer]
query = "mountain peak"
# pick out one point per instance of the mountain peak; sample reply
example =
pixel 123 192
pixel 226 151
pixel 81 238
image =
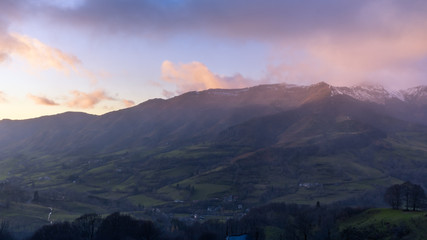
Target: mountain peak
pixel 367 93
pixel 417 95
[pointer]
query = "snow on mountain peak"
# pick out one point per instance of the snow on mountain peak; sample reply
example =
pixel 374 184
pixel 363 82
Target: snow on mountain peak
pixel 375 93
pixel 367 93
pixel 415 94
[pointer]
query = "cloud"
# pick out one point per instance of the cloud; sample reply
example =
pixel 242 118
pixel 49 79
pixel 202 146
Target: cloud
pixel 79 99
pixel 128 103
pixel 87 100
pixel 340 41
pixel 336 41
pixel 42 100
pixel 40 55
pixel 267 20
pixel 391 59
pixel 167 94
pixel 238 18
pixel 195 76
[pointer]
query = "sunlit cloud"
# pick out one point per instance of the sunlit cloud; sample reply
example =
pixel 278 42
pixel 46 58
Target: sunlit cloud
pixel 81 100
pixel 391 59
pixel 87 100
pixel 343 42
pixel 42 100
pixel 42 56
pixel 39 55
pixel 3 56
pixel 128 103
pixel 195 76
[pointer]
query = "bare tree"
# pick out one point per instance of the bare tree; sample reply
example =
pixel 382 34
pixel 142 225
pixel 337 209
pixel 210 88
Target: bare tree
pixel 411 195
pixel 417 197
pixel 393 196
pixel 406 194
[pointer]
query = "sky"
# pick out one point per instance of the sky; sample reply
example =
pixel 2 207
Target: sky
pixel 98 56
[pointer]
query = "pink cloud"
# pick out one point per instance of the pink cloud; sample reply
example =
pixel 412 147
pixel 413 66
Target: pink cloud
pixel 128 103
pixel 390 59
pixel 195 76
pixel 343 42
pixel 38 54
pixel 87 100
pixel 42 100
pixel 81 100
pixel 43 56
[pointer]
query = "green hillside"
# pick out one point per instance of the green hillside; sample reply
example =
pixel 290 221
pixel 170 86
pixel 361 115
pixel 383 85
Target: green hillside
pixel 386 224
pixel 316 148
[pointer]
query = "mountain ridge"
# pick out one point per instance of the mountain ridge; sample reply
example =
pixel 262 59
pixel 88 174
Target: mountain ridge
pixel 190 117
pixel 269 143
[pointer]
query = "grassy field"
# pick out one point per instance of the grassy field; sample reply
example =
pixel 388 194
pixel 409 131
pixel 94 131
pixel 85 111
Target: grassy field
pixel 389 224
pixel 129 179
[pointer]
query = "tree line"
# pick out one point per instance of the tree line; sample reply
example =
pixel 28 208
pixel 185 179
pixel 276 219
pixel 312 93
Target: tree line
pixel 288 221
pixel 293 221
pixel 116 226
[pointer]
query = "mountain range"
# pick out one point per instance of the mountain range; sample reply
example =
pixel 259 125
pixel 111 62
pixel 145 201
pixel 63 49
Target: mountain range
pixel 267 143
pixel 194 117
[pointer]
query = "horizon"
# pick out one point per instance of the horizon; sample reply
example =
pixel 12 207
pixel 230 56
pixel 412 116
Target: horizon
pixel 102 55
pixel 167 98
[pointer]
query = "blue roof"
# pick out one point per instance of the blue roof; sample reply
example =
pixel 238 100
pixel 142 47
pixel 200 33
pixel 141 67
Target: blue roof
pixel 240 237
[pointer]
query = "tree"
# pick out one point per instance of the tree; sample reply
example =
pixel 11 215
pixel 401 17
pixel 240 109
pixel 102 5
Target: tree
pixel 304 222
pixel 4 231
pixel 36 196
pixel 411 195
pixel 114 227
pixel 117 227
pixel 57 231
pixel 417 197
pixel 393 196
pixel 406 194
pixel 87 225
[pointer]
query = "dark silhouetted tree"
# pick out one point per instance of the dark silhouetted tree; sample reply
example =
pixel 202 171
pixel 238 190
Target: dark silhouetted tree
pixel 411 195
pixel 36 197
pixel 117 227
pixel 4 231
pixel 208 236
pixel 304 222
pixel 57 231
pixel 87 225
pixel 393 196
pixel 406 194
pixel 417 197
